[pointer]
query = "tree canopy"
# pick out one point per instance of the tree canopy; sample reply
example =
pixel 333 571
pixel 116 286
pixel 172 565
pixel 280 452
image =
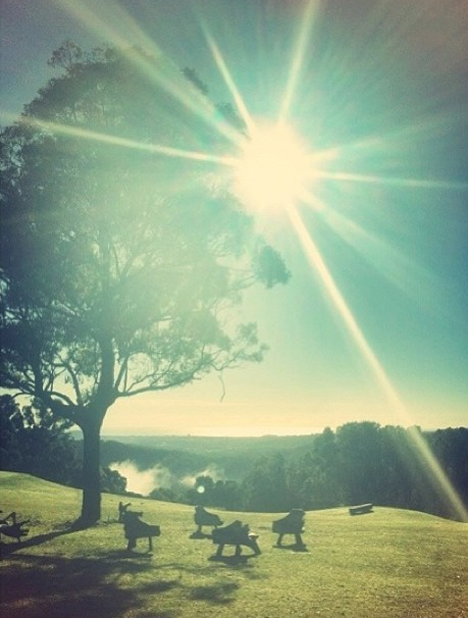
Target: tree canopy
pixel 124 257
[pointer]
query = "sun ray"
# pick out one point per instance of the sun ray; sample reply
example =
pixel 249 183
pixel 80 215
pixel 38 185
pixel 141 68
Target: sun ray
pixel 171 81
pixel 390 262
pixel 396 149
pixel 438 477
pixel 221 64
pixel 316 261
pixel 123 142
pixel 428 127
pixel 90 18
pixel 294 74
pixel 129 31
pixel 421 183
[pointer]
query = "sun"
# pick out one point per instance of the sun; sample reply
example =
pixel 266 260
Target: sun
pixel 272 170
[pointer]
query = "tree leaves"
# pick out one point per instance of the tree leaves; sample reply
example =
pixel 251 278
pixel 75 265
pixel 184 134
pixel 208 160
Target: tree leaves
pixel 107 241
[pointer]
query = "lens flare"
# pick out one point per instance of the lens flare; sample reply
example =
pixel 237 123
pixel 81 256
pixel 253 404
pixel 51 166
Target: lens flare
pixel 410 183
pixel 123 142
pixel 221 64
pixel 301 44
pixel 273 169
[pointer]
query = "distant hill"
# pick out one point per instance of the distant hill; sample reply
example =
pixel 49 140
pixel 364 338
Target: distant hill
pixel 188 454
pixel 209 444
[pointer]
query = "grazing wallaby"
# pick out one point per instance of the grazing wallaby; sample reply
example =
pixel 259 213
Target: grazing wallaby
pixel 204 518
pixel 235 534
pixel 135 528
pixel 122 510
pixel 293 523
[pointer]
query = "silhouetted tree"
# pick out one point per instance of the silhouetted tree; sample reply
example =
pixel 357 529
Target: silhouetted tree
pixel 36 442
pixel 33 441
pixel 389 466
pixel 121 272
pixel 265 487
pixel 207 492
pixel 316 478
pixel 227 494
pixel 202 490
pixel 451 448
pixel 361 462
pixel 112 481
pixel 11 424
pixel 166 494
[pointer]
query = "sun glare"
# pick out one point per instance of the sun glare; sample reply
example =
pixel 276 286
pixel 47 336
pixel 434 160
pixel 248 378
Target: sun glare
pixel 273 169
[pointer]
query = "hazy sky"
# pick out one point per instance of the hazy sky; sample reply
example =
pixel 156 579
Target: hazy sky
pixel 373 324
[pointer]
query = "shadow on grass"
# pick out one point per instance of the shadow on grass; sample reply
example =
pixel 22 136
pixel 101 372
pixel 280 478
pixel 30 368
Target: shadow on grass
pixel 9 548
pixel 54 587
pixel 200 535
pixel 220 594
pixel 57 587
pixel 233 561
pixel 293 547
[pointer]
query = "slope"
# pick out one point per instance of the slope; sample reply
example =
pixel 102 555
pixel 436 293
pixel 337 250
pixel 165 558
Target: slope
pixel 388 564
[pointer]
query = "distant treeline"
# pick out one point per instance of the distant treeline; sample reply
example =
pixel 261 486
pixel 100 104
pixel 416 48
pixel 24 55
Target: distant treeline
pixel 364 462
pixel 357 463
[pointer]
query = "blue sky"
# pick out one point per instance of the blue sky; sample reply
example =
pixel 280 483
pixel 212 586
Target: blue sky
pixel 375 327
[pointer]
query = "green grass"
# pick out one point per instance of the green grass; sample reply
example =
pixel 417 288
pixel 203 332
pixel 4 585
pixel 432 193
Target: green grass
pixel 388 564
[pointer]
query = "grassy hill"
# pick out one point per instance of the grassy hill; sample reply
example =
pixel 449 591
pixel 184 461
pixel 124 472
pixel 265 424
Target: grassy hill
pixel 388 564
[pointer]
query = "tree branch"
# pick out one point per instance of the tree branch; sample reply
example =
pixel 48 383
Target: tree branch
pixel 74 379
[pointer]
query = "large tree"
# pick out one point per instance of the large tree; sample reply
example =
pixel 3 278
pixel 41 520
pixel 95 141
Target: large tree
pixel 123 257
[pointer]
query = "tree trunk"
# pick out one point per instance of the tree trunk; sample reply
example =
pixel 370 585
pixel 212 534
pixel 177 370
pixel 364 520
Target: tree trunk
pixel 91 502
pixel 91 418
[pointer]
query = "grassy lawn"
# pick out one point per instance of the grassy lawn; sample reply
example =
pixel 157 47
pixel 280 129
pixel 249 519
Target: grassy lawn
pixel 387 564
